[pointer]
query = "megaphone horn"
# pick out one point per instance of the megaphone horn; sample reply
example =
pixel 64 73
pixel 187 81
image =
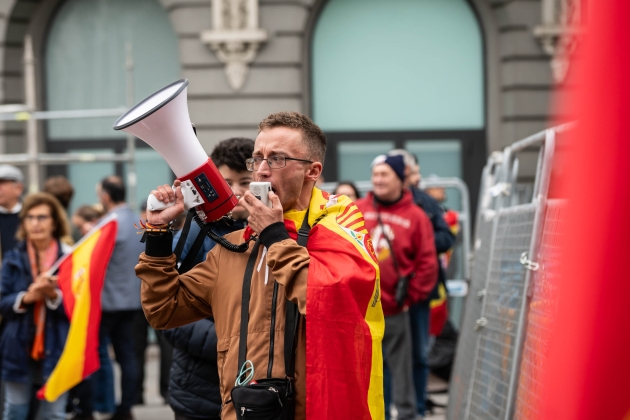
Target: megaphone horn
pixel 162 121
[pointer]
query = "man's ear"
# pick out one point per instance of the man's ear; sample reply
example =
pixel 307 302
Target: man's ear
pixel 314 171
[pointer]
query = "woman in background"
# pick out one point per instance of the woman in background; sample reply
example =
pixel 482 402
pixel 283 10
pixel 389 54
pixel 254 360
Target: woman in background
pixel 36 326
pixel 348 189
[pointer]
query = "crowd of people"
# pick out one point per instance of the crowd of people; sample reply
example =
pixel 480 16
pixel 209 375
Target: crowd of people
pixel 199 312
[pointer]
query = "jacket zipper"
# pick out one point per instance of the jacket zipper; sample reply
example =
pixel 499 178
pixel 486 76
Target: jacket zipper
pixel 272 334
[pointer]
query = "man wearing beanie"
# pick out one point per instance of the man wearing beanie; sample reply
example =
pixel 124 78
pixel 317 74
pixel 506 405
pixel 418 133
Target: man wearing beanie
pixel 403 241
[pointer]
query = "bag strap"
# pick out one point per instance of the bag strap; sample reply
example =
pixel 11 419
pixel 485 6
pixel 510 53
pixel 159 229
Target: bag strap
pixel 182 238
pixel 292 313
pixel 189 261
pixel 247 281
pixel 389 243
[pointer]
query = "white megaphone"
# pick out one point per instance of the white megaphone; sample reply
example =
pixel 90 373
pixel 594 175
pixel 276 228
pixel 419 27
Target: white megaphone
pixel 162 121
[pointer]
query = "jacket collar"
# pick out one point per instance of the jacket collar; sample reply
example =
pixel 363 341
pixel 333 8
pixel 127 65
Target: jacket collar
pixel 15 210
pixel 21 246
pixel 405 201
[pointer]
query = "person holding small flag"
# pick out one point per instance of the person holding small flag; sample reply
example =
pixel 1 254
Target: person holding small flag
pixel 36 326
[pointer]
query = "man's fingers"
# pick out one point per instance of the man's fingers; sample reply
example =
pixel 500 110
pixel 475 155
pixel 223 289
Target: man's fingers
pixel 179 195
pixel 165 193
pixel 275 201
pixel 160 193
pixel 249 201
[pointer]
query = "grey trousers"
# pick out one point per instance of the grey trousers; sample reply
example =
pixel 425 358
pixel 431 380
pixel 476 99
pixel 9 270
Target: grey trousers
pixel 397 355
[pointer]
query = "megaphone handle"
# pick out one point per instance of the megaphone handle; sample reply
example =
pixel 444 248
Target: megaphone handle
pixel 153 204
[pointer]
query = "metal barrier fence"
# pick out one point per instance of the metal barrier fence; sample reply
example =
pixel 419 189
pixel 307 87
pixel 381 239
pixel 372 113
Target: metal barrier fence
pixel 511 290
pixel 542 310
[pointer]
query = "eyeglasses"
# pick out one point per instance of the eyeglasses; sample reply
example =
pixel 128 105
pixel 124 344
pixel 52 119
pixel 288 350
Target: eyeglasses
pixel 40 218
pixel 274 162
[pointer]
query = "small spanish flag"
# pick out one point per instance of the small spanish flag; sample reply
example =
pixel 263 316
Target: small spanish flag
pixel 81 275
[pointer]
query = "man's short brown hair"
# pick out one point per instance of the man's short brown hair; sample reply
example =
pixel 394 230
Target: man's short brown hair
pixel 312 135
pixel 61 188
pixel 89 213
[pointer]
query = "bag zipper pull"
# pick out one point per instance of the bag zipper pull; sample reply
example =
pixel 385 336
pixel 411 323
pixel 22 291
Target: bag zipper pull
pixel 272 389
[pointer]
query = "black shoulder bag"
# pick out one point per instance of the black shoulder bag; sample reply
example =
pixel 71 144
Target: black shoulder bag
pixel 268 398
pixel 402 287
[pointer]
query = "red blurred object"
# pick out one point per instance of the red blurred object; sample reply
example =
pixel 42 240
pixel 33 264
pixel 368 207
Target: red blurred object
pixel 439 312
pixel 439 306
pixel 589 367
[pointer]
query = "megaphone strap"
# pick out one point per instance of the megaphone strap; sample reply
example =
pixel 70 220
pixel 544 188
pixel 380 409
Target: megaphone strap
pixel 241 248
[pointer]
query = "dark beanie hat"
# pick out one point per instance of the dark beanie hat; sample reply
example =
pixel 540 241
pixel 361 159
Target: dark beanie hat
pixel 396 162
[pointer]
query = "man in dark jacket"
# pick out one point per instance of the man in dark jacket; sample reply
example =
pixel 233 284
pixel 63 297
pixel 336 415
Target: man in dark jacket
pixel 11 188
pixel 121 294
pixel 419 313
pixel 194 380
pixel 194 391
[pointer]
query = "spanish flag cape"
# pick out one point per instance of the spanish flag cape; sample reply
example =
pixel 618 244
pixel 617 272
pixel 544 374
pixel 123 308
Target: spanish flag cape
pixel 344 318
pixel 81 275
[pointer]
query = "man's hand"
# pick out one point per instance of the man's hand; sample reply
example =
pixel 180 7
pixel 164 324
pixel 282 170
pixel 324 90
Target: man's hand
pixel 261 216
pixel 166 194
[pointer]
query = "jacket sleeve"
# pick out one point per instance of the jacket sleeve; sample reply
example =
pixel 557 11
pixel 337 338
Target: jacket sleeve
pixel 60 309
pixel 198 339
pixel 8 289
pixel 288 262
pixel 426 262
pixel 444 238
pixel 170 300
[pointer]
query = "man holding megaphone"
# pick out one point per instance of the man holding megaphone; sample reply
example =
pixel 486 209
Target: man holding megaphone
pixel 312 260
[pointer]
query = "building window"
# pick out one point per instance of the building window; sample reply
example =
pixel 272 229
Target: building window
pixel 85 68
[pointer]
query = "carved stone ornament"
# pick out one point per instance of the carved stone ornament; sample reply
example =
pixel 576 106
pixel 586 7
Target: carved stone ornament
pixel 235 37
pixel 559 33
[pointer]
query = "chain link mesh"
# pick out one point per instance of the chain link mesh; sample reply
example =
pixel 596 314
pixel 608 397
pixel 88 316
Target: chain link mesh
pixel 542 310
pixel 502 306
pixel 459 388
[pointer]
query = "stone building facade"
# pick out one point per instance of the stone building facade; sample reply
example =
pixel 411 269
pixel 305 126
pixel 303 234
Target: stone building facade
pixel 516 83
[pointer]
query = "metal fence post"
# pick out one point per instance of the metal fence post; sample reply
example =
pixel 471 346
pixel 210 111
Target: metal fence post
pixel 479 323
pixel 132 178
pixel 540 199
pixel 32 146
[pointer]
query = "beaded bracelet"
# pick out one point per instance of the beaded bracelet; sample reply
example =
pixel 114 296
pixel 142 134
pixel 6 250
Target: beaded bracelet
pixel 148 227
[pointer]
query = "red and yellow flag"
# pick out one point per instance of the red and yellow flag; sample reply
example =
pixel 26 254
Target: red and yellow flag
pixel 345 323
pixel 81 274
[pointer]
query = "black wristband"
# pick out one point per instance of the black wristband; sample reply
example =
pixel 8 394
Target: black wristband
pixel 274 233
pixel 159 245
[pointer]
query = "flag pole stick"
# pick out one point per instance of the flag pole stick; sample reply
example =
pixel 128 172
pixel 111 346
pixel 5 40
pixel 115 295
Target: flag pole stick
pixel 85 237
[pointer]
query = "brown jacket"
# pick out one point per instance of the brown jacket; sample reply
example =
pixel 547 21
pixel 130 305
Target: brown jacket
pixel 214 288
